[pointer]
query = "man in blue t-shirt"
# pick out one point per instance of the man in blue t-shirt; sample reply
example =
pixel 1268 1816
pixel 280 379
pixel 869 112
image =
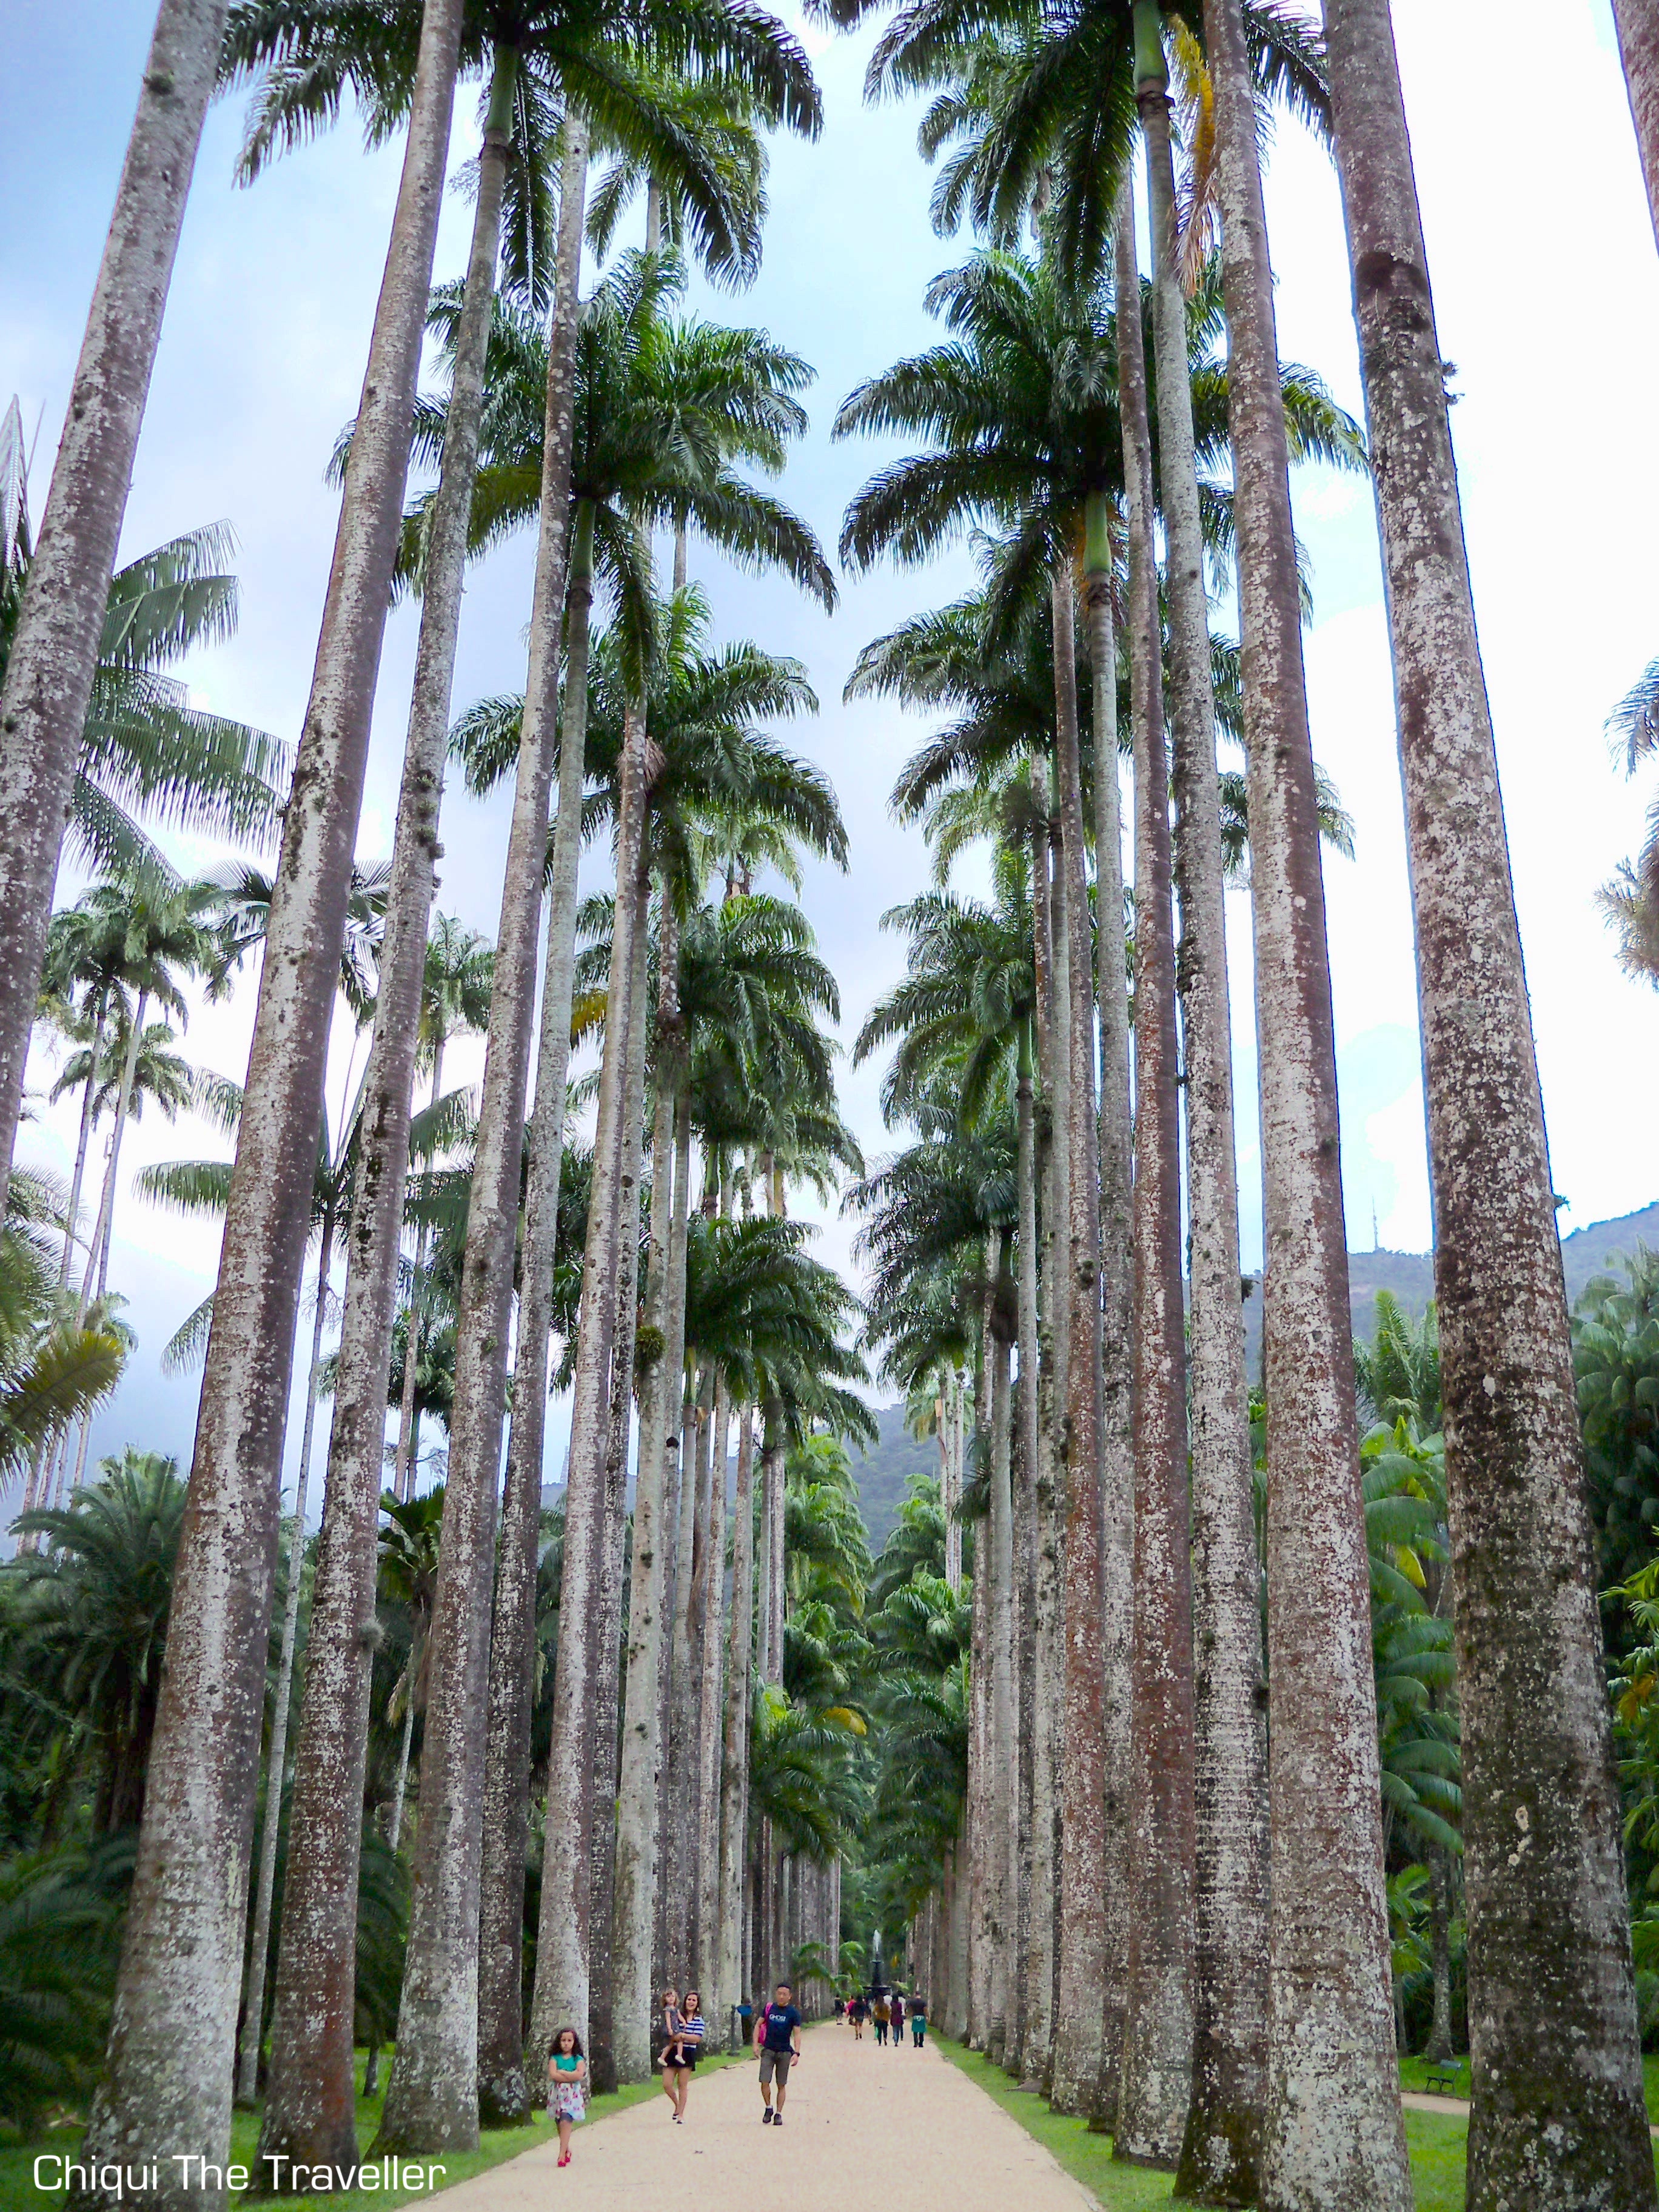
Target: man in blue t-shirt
pixel 777 2038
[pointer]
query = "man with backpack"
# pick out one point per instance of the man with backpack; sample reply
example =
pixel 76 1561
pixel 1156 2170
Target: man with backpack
pixel 777 2038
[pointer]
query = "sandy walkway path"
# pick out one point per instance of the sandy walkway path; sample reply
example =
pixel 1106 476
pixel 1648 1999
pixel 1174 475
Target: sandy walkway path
pixel 860 2120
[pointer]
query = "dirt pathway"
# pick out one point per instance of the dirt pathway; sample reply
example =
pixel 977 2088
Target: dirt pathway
pixel 859 2121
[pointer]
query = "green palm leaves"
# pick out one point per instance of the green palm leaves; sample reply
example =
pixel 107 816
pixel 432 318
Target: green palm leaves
pixel 666 411
pixel 147 754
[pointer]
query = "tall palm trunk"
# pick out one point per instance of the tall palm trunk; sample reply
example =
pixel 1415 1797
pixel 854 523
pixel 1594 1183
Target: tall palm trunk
pixel 950 1498
pixel 1041 1676
pixel 679 1417
pixel 1638 24
pixel 432 2098
pixel 84 1137
pixel 688 1778
pixel 601 2047
pixel 739 1678
pixel 1158 2023
pixel 1226 2061
pixel 168 2073
pixel 1557 2115
pixel 253 2009
pixel 505 2093
pixel 710 1729
pixel 54 653
pixel 310 2112
pixel 679 1853
pixel 1332 2131
pixel 560 1993
pixel 1002 1796
pixel 95 1281
pixel 642 1737
pixel 406 1453
pixel 981 1821
pixel 1083 1924
pixel 1116 1270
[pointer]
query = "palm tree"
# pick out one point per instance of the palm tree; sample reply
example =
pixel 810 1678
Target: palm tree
pixel 664 409
pixel 143 1067
pixel 57 1365
pixel 92 1609
pixel 455 988
pixel 54 648
pixel 1513 1459
pixel 170 2058
pixel 147 754
pixel 59 1941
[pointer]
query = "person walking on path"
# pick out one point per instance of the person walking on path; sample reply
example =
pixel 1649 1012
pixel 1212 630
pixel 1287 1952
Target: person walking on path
pixel 670 2022
pixel 916 2013
pixel 567 2075
pixel 679 2058
pixel 898 2019
pixel 858 2012
pixel 883 2013
pixel 777 2038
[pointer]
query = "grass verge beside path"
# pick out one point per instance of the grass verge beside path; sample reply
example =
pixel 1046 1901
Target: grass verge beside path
pixel 1436 2147
pixel 19 2194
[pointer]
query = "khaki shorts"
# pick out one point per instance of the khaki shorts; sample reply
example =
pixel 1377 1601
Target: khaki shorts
pixel 775 2066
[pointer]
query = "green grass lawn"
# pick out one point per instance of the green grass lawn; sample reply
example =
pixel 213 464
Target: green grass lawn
pixel 1436 2147
pixel 1438 2142
pixel 19 2194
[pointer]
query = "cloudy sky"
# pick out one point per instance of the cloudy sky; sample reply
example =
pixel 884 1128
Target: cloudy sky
pixel 1532 228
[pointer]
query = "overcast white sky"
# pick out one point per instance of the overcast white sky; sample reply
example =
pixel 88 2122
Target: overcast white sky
pixel 1533 229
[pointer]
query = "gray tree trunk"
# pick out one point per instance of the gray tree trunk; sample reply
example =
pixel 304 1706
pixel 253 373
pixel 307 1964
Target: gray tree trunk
pixel 601 2016
pixel 679 1853
pixel 95 1281
pixel 1083 1901
pixel 54 651
pixel 1158 2021
pixel 167 2078
pixel 309 2113
pixel 1332 2131
pixel 253 2009
pixel 506 2091
pixel 83 1138
pixel 739 1680
pixel 982 1838
pixel 1041 1676
pixel 1117 1274
pixel 1002 1870
pixel 1638 24
pixel 432 2097
pixel 560 1992
pixel 1557 2115
pixel 710 1732
pixel 641 1739
pixel 1226 2060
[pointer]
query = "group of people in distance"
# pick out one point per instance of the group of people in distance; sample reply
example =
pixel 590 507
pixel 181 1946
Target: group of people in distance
pixel 886 2008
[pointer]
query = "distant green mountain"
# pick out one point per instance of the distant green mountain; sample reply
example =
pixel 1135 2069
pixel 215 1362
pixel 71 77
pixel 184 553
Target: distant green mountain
pixel 1592 1250
pixel 883 1473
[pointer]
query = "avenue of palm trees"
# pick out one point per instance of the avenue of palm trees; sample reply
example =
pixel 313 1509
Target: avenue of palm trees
pixel 1201 1737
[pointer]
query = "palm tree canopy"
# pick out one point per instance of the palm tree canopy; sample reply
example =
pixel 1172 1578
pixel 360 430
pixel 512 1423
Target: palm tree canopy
pixel 148 756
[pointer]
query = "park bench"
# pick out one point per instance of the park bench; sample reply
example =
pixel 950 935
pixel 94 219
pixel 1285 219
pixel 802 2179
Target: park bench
pixel 1445 2078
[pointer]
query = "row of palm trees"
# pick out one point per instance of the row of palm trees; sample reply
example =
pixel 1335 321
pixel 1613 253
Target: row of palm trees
pixel 1176 1917
pixel 618 419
